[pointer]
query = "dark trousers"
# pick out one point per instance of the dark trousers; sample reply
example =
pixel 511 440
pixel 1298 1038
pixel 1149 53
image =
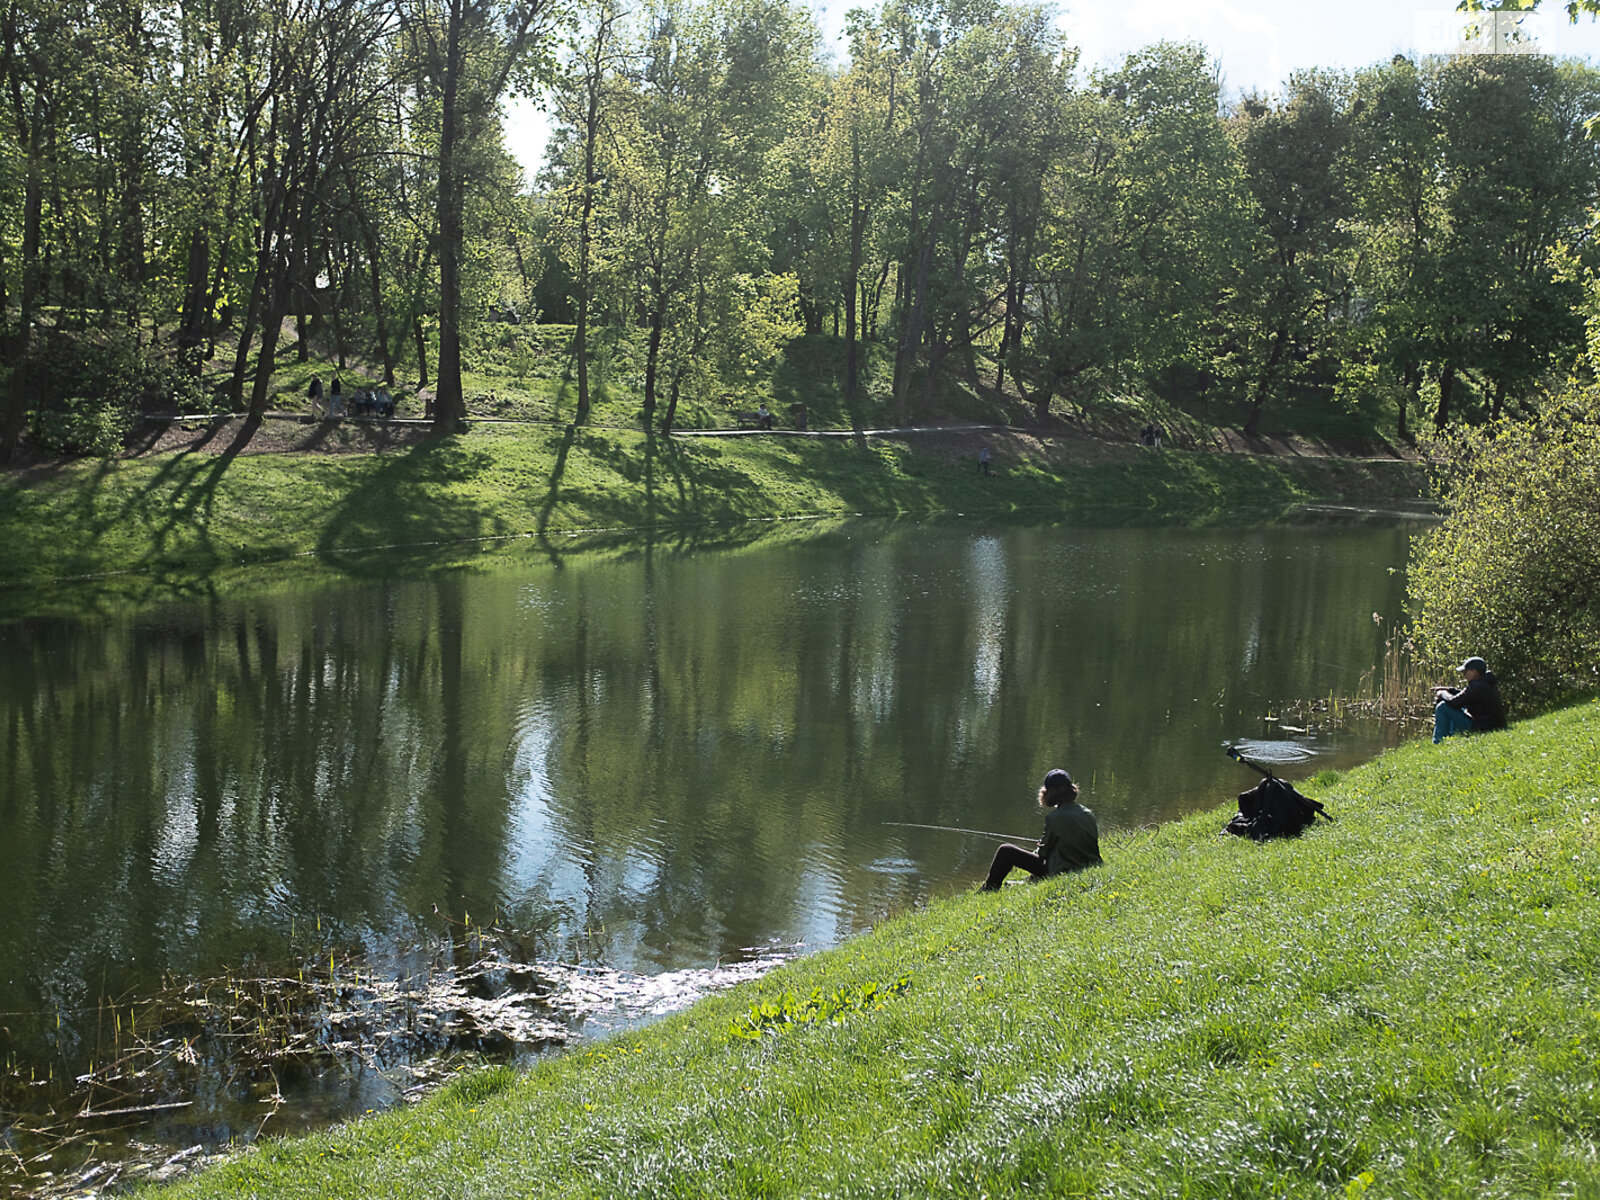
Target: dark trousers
pixel 1008 856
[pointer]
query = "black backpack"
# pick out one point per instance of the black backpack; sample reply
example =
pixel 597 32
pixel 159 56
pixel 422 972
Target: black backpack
pixel 1273 809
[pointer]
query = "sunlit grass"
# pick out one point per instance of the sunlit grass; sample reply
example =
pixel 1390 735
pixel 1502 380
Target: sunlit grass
pixel 1401 1003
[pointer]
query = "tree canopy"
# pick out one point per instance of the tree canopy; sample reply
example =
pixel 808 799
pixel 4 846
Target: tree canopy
pixel 955 199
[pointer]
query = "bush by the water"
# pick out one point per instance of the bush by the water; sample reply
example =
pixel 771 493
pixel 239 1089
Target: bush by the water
pixel 1513 573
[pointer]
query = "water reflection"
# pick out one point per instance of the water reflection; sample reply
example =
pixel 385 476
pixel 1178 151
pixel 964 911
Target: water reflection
pixel 653 762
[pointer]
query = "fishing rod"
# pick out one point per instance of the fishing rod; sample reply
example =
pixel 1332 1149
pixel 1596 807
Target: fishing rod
pixel 1233 752
pixel 1004 837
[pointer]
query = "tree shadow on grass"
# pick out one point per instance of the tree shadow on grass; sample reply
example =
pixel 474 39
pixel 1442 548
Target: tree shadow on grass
pixel 183 529
pixel 408 505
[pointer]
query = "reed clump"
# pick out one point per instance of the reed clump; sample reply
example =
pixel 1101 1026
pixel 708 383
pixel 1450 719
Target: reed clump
pixel 1394 690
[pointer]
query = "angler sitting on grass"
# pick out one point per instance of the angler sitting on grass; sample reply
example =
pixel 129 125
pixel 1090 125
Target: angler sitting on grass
pixel 1475 708
pixel 1071 838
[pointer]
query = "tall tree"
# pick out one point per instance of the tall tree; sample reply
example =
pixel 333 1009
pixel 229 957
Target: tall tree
pixel 1397 150
pixel 1294 155
pixel 470 53
pixel 587 97
pixel 1129 261
pixel 1521 175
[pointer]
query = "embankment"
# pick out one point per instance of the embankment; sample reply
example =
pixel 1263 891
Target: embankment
pixel 1401 1003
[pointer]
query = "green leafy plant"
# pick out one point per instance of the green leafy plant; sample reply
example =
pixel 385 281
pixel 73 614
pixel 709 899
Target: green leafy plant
pixel 1513 573
pixel 82 425
pixel 777 1016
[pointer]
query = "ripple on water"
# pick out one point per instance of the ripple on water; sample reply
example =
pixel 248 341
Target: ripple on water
pixel 1278 753
pixel 890 864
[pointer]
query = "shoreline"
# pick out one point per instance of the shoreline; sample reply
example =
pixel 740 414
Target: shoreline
pixel 1341 1010
pixel 79 536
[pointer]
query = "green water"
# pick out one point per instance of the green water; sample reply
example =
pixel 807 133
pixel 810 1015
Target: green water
pixel 655 761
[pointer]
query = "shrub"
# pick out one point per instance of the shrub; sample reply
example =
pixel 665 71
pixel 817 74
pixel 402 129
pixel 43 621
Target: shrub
pixel 1513 573
pixel 82 425
pixel 89 386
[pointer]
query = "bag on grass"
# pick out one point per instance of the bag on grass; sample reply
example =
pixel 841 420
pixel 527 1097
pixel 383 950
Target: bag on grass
pixel 1272 809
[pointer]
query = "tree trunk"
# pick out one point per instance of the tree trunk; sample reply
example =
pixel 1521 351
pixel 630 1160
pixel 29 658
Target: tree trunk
pixel 1280 343
pixel 580 332
pixel 449 405
pixel 375 282
pixel 1409 398
pixel 20 398
pixel 194 319
pixel 911 340
pixel 235 386
pixel 1447 387
pixel 852 283
pixel 652 354
pixel 266 357
pixel 421 340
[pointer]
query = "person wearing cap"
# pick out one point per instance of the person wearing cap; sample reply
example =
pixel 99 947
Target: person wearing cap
pixel 1473 708
pixel 1071 838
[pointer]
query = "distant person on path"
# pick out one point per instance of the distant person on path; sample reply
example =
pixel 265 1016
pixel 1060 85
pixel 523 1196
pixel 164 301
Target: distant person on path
pixel 1473 708
pixel 336 398
pixel 983 461
pixel 1071 838
pixel 315 392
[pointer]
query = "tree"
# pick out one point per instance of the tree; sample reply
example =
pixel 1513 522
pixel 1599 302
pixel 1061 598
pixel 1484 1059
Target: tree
pixel 1513 573
pixel 1520 175
pixel 855 166
pixel 1283 304
pixel 585 102
pixel 469 53
pixel 1397 152
pixel 37 67
pixel 1142 221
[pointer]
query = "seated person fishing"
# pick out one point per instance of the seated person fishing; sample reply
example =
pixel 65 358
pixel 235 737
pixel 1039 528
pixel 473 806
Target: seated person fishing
pixel 1071 838
pixel 1474 708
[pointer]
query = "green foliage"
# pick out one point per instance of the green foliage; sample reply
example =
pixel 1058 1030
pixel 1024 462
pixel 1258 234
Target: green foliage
pixel 81 425
pixel 1513 574
pixel 775 1016
pixel 90 387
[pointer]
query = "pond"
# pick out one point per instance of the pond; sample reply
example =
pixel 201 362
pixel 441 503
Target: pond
pixel 638 775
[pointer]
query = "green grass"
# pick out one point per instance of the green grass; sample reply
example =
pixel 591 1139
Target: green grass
pixel 528 373
pixel 91 532
pixel 1405 1003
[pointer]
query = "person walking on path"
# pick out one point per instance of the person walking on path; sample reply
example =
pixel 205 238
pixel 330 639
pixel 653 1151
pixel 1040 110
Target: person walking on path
pixel 983 462
pixel 336 398
pixel 1475 707
pixel 1071 838
pixel 315 393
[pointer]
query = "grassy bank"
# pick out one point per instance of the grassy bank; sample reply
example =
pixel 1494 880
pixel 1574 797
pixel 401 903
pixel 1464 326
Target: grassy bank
pixel 1403 1003
pixel 78 534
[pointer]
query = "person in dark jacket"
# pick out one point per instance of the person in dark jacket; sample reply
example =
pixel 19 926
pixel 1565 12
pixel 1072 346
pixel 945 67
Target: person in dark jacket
pixel 1475 707
pixel 1071 838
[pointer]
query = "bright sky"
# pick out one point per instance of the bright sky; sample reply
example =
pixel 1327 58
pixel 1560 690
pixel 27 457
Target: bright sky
pixel 1257 42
